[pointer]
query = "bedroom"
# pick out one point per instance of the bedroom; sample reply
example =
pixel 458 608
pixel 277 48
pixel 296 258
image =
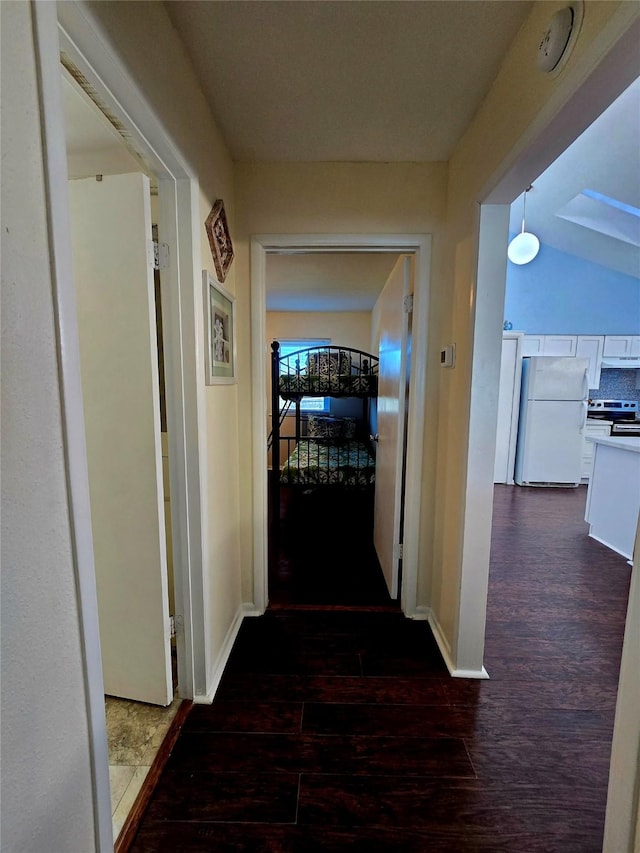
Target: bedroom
pixel 332 300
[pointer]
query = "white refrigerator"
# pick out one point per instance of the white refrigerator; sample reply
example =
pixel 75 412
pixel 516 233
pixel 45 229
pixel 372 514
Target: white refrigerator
pixel 553 413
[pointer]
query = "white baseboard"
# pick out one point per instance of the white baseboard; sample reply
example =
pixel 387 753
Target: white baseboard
pixel 604 542
pixel 421 613
pixel 471 673
pixel 445 651
pixel 220 662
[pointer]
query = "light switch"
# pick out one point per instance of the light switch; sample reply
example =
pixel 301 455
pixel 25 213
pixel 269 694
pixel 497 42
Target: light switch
pixel 448 356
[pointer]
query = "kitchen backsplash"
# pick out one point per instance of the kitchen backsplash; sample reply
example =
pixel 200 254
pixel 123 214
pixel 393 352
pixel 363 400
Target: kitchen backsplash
pixel 616 384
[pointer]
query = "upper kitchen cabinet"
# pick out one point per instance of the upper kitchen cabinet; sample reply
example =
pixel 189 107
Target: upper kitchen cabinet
pixel 533 345
pixel 583 346
pixel 556 345
pixel 560 345
pixel 622 346
pixel 591 347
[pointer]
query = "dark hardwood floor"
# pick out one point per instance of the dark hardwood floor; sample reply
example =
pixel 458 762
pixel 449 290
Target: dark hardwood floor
pixel 315 557
pixel 337 730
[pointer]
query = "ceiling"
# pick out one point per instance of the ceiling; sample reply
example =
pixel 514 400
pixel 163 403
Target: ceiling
pixel 407 93
pixel 604 160
pixel 345 81
pixel 326 281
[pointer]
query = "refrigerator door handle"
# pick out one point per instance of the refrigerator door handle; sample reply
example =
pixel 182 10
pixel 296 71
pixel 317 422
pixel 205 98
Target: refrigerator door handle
pixel 585 383
pixel 583 417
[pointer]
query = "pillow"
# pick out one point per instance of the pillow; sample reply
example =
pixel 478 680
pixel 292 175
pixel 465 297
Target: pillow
pixel 323 428
pixel 328 363
pixel 348 428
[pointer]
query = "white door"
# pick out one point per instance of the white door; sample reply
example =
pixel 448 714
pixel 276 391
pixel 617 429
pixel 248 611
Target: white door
pixel 392 384
pixel 111 234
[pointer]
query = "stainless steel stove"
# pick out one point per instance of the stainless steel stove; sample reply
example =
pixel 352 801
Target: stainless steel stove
pixel 624 414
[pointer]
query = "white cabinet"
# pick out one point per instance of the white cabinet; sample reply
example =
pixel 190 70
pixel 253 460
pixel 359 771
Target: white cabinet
pixel 591 347
pixel 560 345
pixel 532 345
pixel 508 407
pixel 622 346
pixel 557 345
pixel 613 496
pixel 592 428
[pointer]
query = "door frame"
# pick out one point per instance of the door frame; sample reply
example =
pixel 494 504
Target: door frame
pixel 418 245
pixel 567 113
pixel 179 227
pixel 66 27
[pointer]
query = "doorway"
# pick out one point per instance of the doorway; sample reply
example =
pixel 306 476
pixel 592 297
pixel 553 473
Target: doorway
pixel 121 360
pixel 113 207
pixel 324 307
pixel 559 304
pixel 418 247
pixel 591 96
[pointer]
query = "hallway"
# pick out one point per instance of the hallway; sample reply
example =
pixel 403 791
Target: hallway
pixel 322 552
pixel 336 730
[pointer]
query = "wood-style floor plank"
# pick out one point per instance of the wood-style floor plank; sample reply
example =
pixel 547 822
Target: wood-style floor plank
pixel 336 730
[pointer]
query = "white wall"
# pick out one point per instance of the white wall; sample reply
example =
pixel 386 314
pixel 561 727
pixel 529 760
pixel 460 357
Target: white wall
pixel 46 782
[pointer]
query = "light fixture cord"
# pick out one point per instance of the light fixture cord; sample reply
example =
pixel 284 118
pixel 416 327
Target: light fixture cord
pixel 524 206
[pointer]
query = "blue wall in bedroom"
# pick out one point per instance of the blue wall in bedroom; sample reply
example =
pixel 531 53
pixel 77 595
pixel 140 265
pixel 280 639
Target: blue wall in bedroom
pixel 559 293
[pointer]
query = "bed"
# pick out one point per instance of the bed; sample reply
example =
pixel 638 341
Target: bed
pixel 314 463
pixel 322 450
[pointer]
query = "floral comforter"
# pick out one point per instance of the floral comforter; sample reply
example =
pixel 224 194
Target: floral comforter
pixel 319 463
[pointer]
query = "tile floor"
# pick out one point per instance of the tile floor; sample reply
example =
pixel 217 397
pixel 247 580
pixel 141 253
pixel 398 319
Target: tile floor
pixel 135 732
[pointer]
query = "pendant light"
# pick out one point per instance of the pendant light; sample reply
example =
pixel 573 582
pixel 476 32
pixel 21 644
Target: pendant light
pixel 524 246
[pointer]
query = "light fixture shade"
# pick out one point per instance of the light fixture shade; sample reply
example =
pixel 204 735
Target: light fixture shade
pixel 523 248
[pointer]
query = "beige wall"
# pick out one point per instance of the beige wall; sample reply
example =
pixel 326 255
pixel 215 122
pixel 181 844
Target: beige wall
pixel 46 775
pixel 315 198
pixel 346 329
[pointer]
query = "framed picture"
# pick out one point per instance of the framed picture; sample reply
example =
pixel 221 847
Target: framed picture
pixel 219 239
pixel 220 365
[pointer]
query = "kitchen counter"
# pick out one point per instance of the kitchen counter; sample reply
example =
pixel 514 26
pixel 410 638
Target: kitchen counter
pixel 625 442
pixel 613 495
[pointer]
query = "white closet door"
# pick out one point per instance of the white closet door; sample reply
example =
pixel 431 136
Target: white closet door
pixel 111 233
pixel 392 389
